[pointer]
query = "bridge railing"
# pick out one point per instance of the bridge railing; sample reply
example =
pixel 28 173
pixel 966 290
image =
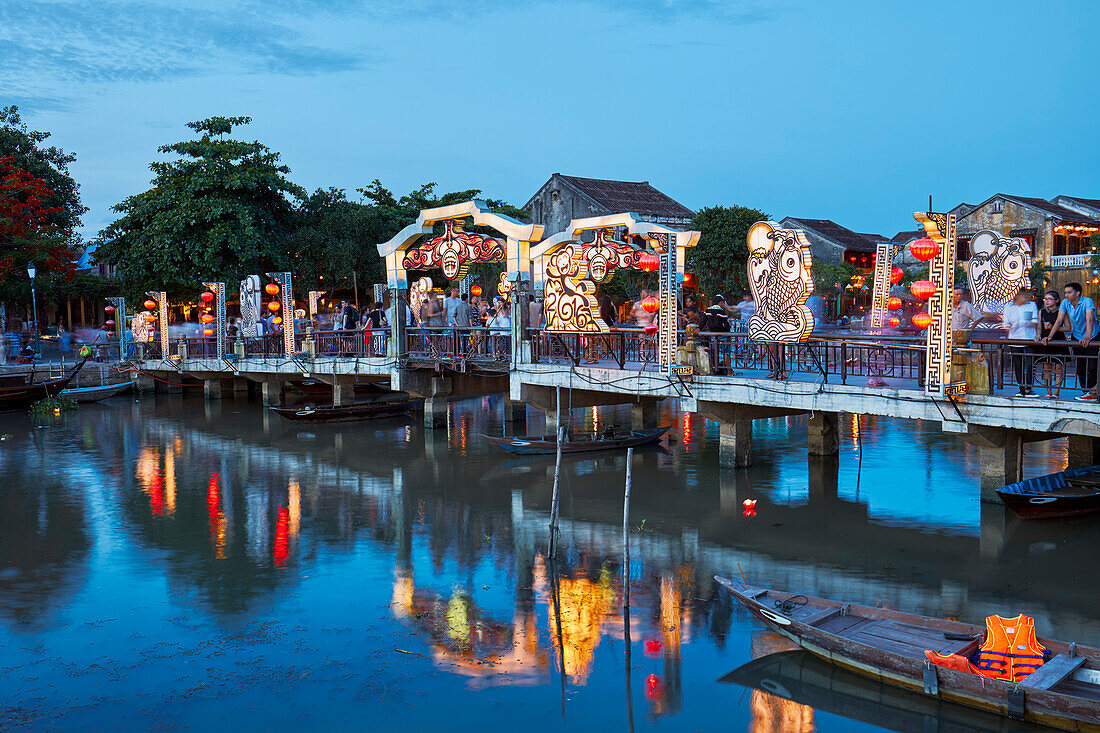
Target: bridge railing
pixel 366 342
pixel 442 344
pixel 1028 366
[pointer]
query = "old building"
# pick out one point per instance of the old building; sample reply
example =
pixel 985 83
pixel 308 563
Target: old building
pixel 564 198
pixel 1057 230
pixel 834 244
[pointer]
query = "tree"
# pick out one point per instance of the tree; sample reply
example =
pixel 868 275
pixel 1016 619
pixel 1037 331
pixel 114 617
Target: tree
pixel 830 278
pixel 222 210
pixel 719 260
pixel 27 233
pixel 50 164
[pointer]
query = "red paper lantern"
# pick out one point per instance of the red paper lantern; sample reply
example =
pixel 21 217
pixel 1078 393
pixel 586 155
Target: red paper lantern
pixel 206 318
pixel 150 304
pixel 277 320
pixel 923 289
pixel 894 322
pixel 649 262
pixel 650 328
pixel 208 332
pixel 110 323
pixel 208 296
pixel 924 249
pixel 475 290
pixel 273 306
pixel 896 274
pixel 651 304
pixel 271 289
pixel 690 281
pixel 109 309
pixel 922 320
pixel 893 303
pixel 150 318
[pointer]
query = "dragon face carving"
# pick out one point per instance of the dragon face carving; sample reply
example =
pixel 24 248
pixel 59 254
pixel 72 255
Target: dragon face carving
pixel 452 249
pixel 779 276
pixel 997 270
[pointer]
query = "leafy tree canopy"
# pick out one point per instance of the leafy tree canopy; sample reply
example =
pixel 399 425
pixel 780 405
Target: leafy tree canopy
pixel 224 207
pixel 719 260
pixel 51 164
pixel 27 233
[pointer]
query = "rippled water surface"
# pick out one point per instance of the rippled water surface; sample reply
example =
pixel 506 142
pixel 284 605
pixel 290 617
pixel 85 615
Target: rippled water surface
pixel 168 563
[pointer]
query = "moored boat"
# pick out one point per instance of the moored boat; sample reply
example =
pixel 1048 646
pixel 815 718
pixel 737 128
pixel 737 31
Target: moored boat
pixel 1067 494
pixel 14 396
pixel 347 413
pixel 95 394
pixel 542 445
pixel 890 646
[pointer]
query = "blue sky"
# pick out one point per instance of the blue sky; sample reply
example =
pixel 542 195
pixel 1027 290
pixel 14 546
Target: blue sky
pixel 853 111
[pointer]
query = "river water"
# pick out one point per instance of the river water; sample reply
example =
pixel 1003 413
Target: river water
pixel 168 563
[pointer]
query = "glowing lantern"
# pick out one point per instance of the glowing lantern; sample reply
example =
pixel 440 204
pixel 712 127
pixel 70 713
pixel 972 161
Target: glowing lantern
pixel 273 306
pixel 208 332
pixel 208 296
pixel 649 262
pixel 923 289
pixel 650 328
pixel 150 304
pixel 206 318
pixel 896 275
pixel 654 687
pixel 894 322
pixel 690 281
pixel 924 249
pixel 651 304
pixel 893 303
pixel 271 289
pixel 749 508
pixel 277 320
pixel 150 318
pixel 109 309
pixel 475 290
pixel 652 648
pixel 110 322
pixel 922 320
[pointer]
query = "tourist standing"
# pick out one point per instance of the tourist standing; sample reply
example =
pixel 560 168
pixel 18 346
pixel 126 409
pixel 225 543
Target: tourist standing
pixel 1080 311
pixel 450 307
pixel 1054 368
pixel 964 316
pixel 534 312
pixel 1020 319
pixel 717 320
pixel 747 307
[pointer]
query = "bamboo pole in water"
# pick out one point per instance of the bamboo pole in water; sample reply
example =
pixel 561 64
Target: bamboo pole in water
pixel 554 504
pixel 626 588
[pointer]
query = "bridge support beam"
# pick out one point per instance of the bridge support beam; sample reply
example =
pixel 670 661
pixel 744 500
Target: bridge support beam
pixel 212 389
pixel 271 391
pixel 824 476
pixel 237 384
pixel 144 383
pixel 514 410
pixel 823 439
pixel 735 443
pixel 1084 450
pixel 645 414
pixel 343 391
pixel 435 412
pixel 1001 457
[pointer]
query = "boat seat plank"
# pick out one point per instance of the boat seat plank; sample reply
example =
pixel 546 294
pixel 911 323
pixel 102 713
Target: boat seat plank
pixel 817 615
pixel 894 636
pixel 756 594
pixel 1053 672
pixel 1076 688
pixel 843 625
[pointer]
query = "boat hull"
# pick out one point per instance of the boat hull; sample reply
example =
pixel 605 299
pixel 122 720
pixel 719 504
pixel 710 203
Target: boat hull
pixel 1045 707
pixel 536 446
pixel 95 394
pixel 348 413
pixel 1054 496
pixel 21 397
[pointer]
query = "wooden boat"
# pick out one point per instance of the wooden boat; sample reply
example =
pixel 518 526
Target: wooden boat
pixel 802 678
pixel 1066 494
pixel 14 396
pixel 347 413
pixel 541 445
pixel 95 394
pixel 889 646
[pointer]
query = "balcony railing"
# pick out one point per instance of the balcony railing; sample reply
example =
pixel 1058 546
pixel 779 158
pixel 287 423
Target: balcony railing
pixel 1070 261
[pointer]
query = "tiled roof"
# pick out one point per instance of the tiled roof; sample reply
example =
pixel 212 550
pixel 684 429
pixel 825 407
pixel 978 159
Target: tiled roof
pixel 637 197
pixel 907 236
pixel 1091 203
pixel 876 238
pixel 831 230
pixel 1043 205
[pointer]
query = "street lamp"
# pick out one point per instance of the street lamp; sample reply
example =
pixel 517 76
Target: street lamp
pixel 31 272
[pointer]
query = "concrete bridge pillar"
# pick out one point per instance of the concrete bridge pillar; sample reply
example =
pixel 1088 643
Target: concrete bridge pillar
pixel 514 410
pixel 272 392
pixel 435 412
pixel 823 438
pixel 1001 457
pixel 735 443
pixel 1084 450
pixel 823 472
pixel 144 383
pixel 646 414
pixel 212 389
pixel 236 384
pixel 343 391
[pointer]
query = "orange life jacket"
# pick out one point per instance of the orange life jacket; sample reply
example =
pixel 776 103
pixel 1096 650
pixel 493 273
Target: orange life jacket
pixel 1009 652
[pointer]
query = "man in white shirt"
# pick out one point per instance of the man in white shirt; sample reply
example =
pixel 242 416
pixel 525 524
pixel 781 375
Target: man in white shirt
pixel 747 306
pixel 450 307
pixel 964 316
pixel 1020 319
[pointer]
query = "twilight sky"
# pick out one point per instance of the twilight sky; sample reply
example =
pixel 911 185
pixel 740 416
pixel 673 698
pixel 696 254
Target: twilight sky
pixel 850 110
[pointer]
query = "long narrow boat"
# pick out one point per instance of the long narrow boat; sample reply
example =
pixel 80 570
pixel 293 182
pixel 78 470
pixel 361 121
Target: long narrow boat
pixel 802 678
pixel 95 394
pixel 1066 494
pixel 347 413
pixel 21 396
pixel 890 646
pixel 542 445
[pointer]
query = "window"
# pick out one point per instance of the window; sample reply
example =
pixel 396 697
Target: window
pixel 962 250
pixel 1073 246
pixel 995 207
pixel 1059 245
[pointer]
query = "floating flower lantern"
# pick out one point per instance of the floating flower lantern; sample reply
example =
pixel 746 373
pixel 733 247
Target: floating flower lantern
pixel 896 274
pixel 922 320
pixel 924 249
pixel 273 306
pixel 894 322
pixel 271 289
pixel 893 303
pixel 207 297
pixel 150 304
pixel 923 289
pixel 749 508
pixel 651 304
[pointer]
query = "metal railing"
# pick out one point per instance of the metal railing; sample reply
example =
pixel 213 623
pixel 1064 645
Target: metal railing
pixel 1029 366
pixel 455 345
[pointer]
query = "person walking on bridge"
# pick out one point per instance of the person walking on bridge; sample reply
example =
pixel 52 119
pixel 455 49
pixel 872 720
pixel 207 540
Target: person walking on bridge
pixel 1080 312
